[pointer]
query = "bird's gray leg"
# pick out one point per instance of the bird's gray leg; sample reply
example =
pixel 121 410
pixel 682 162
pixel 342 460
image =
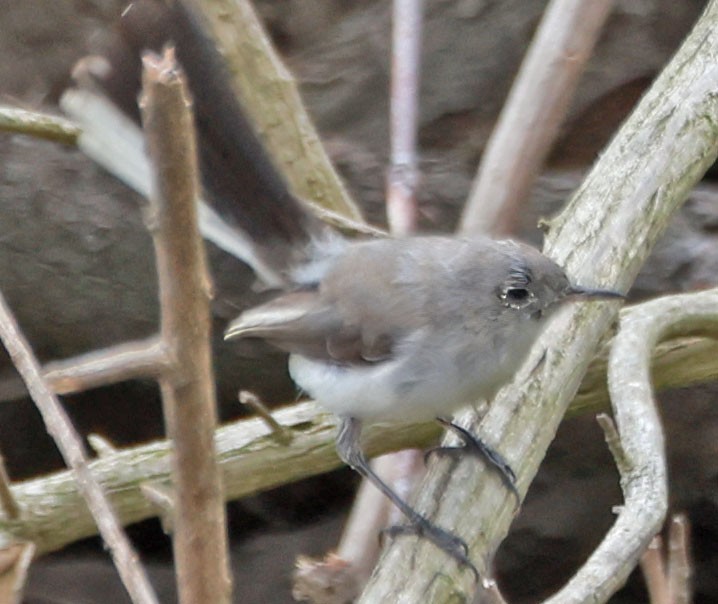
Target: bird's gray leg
pixel 349 451
pixel 475 446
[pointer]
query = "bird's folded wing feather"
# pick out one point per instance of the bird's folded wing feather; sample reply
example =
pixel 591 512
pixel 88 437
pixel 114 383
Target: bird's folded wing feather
pixel 305 323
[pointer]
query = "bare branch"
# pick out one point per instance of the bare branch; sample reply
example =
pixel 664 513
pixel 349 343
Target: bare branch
pixel 250 457
pixel 666 567
pixel 271 97
pixel 342 575
pixel 371 511
pixel 403 173
pixel 9 506
pixel 100 445
pixel 343 223
pixel 644 476
pixel 200 537
pixel 613 442
pixel 250 399
pixel 654 572
pixel 130 360
pixel 60 427
pixel 39 125
pixel 15 562
pixel 674 364
pixel 164 502
pixel 679 562
pixel 533 112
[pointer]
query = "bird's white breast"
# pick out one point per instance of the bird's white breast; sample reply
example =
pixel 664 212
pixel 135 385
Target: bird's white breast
pixel 429 377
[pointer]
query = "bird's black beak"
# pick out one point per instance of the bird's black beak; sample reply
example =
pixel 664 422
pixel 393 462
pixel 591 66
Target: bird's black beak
pixel 587 292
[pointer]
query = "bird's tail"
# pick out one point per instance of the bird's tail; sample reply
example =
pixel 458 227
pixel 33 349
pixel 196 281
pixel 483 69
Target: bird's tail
pixel 247 207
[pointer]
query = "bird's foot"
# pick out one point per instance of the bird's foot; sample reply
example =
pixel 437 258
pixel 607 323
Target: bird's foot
pixel 475 446
pixel 447 542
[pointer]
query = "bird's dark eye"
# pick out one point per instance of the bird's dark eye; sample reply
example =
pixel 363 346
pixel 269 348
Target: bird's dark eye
pixel 517 294
pixel 516 297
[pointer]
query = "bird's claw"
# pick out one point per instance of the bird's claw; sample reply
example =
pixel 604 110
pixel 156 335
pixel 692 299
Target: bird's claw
pixel 450 544
pixel 475 446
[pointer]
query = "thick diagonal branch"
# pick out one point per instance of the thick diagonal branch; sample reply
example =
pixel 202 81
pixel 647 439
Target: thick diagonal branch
pixel 602 238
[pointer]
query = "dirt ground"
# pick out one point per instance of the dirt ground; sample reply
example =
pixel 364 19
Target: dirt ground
pixel 77 268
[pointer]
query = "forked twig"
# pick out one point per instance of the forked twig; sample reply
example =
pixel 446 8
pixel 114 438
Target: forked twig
pixel 640 456
pixel 188 396
pixel 666 565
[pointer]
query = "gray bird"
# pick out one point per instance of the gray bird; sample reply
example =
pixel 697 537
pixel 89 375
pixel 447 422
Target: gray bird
pixel 403 330
pixel 381 330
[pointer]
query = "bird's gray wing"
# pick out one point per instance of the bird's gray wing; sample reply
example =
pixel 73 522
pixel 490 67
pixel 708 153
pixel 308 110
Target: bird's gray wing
pixel 304 323
pixel 358 313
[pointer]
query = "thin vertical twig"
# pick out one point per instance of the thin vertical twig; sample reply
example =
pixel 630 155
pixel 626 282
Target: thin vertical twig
pixel 680 569
pixel 403 173
pixel 666 565
pixel 15 560
pixel 654 572
pixel 339 576
pixel 7 499
pixel 400 468
pixel 533 112
pixel 68 441
pixel 200 537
